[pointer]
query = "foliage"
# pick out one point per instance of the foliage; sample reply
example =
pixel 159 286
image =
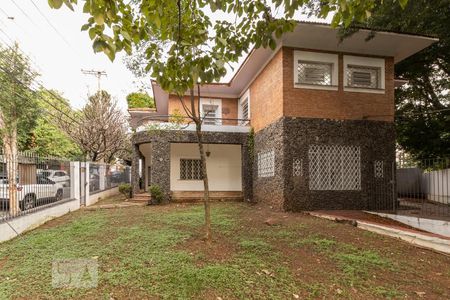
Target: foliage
pixel 125 189
pixel 422 105
pixel 100 131
pixel 156 193
pixel 18 106
pixel 48 138
pixel 140 100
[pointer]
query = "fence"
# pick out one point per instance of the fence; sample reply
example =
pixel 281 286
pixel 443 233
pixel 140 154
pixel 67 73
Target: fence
pixel 423 187
pixel 44 182
pixel 104 177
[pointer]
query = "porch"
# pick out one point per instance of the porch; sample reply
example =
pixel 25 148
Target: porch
pixel 170 159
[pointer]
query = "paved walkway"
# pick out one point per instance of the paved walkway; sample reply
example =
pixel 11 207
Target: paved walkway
pixel 114 205
pixel 361 216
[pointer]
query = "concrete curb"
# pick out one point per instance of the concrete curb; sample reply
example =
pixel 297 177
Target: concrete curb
pixel 414 238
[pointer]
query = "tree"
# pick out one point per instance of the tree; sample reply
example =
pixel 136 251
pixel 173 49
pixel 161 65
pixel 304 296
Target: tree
pixel 101 130
pixel 47 137
pixel 140 100
pixel 185 48
pixel 423 104
pixel 17 106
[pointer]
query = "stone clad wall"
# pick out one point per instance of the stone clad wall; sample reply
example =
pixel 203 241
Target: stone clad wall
pixel 291 138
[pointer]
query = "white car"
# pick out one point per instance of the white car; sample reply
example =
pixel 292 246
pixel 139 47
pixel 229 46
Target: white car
pixel 58 176
pixel 30 195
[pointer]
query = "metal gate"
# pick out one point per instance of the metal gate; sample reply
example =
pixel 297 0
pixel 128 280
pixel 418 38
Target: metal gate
pixel 415 188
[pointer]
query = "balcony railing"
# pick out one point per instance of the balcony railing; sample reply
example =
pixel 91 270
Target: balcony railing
pixel 172 122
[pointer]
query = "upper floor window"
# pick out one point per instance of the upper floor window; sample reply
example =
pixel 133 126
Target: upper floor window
pixel 363 77
pixel 211 111
pixel 364 74
pixel 244 109
pixel 315 70
pixel 314 73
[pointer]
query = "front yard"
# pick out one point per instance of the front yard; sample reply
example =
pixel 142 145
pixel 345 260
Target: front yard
pixel 157 252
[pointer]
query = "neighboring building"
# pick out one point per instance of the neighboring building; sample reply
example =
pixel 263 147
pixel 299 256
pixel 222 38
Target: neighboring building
pixel 322 113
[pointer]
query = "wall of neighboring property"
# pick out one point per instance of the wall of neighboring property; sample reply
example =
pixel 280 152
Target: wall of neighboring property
pixel 266 94
pixel 229 107
pixel 224 167
pixel 338 104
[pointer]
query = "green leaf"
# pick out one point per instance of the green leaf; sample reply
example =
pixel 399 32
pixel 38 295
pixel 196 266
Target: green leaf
pixel 403 3
pixel 99 19
pixel 55 3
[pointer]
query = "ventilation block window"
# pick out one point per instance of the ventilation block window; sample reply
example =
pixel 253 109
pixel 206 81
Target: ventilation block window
pixel 266 163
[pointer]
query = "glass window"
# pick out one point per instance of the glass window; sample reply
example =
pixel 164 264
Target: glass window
pixel 315 73
pixel 363 77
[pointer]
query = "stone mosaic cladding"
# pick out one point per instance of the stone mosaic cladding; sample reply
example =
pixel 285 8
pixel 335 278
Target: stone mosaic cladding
pixel 292 138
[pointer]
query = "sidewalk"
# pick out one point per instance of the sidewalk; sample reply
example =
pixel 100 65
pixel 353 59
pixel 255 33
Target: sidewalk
pixel 388 227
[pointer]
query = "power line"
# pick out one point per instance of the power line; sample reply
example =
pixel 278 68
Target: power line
pixel 25 14
pixel 51 25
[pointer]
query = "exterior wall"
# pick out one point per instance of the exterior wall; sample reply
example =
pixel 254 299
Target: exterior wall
pixel 160 154
pixel 340 104
pixel 229 107
pixel 224 167
pixel 291 138
pixel 266 94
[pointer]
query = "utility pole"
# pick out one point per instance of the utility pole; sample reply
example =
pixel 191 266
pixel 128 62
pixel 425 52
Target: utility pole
pixel 96 73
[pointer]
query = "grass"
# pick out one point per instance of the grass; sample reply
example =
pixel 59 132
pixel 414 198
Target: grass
pixel 158 252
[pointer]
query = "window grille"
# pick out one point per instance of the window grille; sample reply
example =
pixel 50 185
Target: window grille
pixel 334 167
pixel 266 163
pixel 314 73
pixel 297 167
pixel 378 167
pixel 363 77
pixel 190 169
pixel 244 105
pixel 210 114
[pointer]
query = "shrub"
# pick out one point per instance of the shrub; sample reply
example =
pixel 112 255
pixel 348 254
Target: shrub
pixel 156 193
pixel 140 100
pixel 125 189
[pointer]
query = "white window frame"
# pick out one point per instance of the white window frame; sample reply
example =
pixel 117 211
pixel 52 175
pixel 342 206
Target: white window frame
pixel 245 97
pixel 317 57
pixel 370 62
pixel 216 102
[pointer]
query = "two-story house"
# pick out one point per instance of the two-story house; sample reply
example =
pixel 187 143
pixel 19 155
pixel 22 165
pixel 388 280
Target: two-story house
pixel 322 113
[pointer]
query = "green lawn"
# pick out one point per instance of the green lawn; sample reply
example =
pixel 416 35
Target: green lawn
pixel 158 253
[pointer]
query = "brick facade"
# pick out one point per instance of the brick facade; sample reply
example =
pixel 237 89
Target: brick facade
pixel 229 107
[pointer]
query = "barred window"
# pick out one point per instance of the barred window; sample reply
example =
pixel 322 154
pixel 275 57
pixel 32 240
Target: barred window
pixel 266 163
pixel 334 167
pixel 190 169
pixel 315 73
pixel 210 114
pixel 363 77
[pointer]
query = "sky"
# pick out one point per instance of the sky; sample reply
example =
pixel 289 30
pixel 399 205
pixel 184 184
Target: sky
pixel 59 50
pixel 59 57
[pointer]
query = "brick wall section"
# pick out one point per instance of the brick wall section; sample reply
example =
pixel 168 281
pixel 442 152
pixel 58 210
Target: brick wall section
pixel 229 107
pixel 266 94
pixel 309 103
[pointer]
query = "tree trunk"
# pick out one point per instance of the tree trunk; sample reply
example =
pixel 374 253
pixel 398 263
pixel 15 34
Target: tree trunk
pixel 198 130
pixel 12 165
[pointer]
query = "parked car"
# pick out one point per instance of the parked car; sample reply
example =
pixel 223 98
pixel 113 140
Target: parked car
pixel 58 176
pixel 30 195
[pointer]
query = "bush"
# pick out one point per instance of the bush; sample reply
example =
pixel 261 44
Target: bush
pixel 140 100
pixel 125 189
pixel 156 193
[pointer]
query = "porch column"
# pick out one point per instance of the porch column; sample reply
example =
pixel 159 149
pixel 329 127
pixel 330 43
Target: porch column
pixel 135 169
pixel 160 170
pixel 247 173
